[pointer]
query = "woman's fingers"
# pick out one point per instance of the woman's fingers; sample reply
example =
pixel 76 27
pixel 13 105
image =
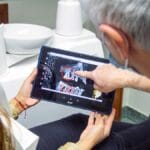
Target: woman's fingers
pixel 98 119
pixel 32 76
pixel 91 119
pixel 111 117
pixel 109 121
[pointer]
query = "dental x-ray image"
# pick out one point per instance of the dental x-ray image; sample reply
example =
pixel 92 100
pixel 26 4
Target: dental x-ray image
pixel 68 75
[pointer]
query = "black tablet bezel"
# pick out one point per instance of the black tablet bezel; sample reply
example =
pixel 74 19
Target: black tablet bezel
pixel 94 105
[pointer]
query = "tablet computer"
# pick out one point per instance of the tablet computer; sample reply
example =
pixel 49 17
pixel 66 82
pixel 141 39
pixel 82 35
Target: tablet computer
pixel 57 82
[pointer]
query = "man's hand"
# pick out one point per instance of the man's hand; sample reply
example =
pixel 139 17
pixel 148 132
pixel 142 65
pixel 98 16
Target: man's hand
pixel 98 128
pixel 106 78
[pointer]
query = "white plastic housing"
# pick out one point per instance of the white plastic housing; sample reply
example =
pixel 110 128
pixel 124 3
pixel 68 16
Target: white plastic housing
pixel 69 19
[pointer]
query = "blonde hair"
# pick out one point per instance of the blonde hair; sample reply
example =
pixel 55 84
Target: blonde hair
pixel 6 140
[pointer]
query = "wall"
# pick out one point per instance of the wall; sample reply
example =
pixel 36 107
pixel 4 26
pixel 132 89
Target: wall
pixel 42 12
pixel 137 100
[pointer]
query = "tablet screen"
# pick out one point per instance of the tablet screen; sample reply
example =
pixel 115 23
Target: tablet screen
pixel 57 82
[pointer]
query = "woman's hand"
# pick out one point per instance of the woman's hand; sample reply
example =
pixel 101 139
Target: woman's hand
pixel 23 98
pixel 107 77
pixel 98 128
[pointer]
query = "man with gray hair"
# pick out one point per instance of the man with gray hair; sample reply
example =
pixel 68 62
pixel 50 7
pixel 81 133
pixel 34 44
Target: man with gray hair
pixel 123 26
pixel 124 29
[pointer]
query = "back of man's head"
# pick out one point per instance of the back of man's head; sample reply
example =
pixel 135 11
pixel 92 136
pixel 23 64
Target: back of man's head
pixel 130 16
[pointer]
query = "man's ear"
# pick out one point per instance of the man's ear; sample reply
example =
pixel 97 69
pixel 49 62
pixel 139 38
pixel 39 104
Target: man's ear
pixel 119 39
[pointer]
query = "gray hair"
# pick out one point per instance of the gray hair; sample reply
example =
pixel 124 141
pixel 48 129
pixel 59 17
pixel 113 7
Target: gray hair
pixel 130 16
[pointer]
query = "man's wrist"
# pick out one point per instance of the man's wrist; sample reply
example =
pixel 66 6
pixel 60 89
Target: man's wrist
pixel 142 83
pixel 130 79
